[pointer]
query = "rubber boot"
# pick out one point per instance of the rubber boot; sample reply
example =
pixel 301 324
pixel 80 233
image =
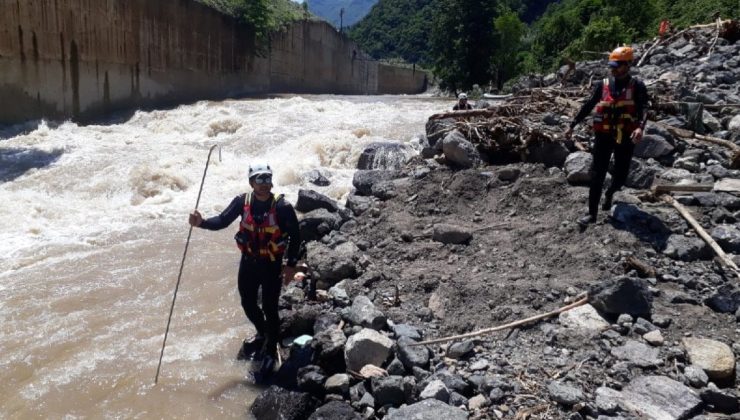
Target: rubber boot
pixel 250 347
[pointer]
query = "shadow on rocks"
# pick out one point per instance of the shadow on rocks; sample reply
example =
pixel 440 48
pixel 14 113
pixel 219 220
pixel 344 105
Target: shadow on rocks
pixel 645 226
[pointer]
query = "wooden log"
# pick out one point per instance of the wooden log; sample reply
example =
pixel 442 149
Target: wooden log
pixel 464 114
pixel 688 134
pixel 724 259
pixel 662 189
pixel 525 321
pixel 641 267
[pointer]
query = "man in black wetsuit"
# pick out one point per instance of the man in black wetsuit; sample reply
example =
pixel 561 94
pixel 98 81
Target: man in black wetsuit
pixel 268 230
pixel 462 103
pixel 621 103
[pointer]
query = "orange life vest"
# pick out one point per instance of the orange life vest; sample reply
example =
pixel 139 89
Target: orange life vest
pixel 617 115
pixel 265 240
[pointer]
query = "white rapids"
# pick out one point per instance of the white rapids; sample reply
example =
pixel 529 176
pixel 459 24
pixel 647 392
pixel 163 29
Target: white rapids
pixel 94 225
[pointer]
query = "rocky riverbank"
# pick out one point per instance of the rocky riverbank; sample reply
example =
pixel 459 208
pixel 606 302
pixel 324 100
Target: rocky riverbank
pixel 478 230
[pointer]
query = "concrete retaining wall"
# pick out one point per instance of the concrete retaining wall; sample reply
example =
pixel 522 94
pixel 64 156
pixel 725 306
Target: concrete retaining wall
pixel 86 58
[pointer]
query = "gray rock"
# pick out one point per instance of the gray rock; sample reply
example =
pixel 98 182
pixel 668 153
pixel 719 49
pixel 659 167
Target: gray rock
pixel 364 313
pixel 622 295
pixel 478 402
pixel 317 223
pixel 335 410
pixel 654 338
pixel 652 397
pixel 435 390
pixel 311 379
pixel 712 124
pixel 726 299
pixel 451 234
pixel 714 357
pixel 436 130
pixel 384 155
pixel 638 354
pixel 294 323
pixel 578 167
pixel 366 347
pixel 338 295
pixel 549 153
pixel 332 265
pixel 508 173
pixel 452 381
pixel 722 400
pixel 643 326
pixel 359 204
pixel 430 409
pixel 457 400
pixel 337 384
pixel 460 349
pixel 583 318
pixel 696 376
pixel 388 390
pixel 709 199
pixel 405 330
pixel 278 403
pixel 459 151
pixel 653 146
pixel 309 200
pixel 317 178
pixel 728 237
pixel 395 367
pixel 367 400
pixel 564 393
pixel 641 175
pixel 734 124
pixel 364 180
pixel 328 346
pixel 680 247
pixel 416 356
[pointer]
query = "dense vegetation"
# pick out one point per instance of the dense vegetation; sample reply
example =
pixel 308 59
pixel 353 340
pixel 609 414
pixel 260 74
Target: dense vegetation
pixel 263 15
pixel 491 41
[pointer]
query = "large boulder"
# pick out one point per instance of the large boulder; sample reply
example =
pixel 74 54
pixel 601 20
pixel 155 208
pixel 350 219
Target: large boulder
pixel 716 358
pixel 638 354
pixel 332 265
pixel 436 130
pixel 652 397
pixel 309 200
pixel 549 153
pixel 367 347
pixel 653 146
pixel 641 175
pixel 578 167
pixel 728 237
pixel 429 409
pixel 412 356
pixel 364 180
pixel 384 155
pixel 388 390
pixel 622 295
pixel 451 234
pixel 335 410
pixel 684 248
pixel 328 348
pixel 317 223
pixel 726 299
pixel 276 403
pixel 459 151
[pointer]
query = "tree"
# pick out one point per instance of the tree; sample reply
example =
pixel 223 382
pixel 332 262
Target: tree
pixel 509 33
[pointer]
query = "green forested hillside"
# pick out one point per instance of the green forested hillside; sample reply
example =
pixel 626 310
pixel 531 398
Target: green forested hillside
pixel 491 41
pixel 263 15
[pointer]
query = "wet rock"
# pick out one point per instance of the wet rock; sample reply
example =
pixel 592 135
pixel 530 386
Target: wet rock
pixel 564 393
pixel 328 347
pixel 276 403
pixel 583 318
pixel 695 376
pixel 429 409
pixel 412 356
pixel 622 295
pixel 709 199
pixel 638 354
pixel 714 357
pixel 728 237
pixel 311 379
pixel 317 178
pixel 364 180
pixel 726 299
pixel 337 384
pixel 653 146
pixel 459 151
pixel 366 347
pixel 578 168
pixel 309 200
pixel 722 400
pixel 364 313
pixel 684 248
pixel 384 155
pixel 298 322
pixel 435 390
pixel 335 410
pixel 388 390
pixel 655 397
pixel 451 234
pixel 332 265
pixel 436 130
pixel 460 349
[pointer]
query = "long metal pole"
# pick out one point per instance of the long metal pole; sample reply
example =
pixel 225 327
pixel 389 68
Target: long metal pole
pixel 182 263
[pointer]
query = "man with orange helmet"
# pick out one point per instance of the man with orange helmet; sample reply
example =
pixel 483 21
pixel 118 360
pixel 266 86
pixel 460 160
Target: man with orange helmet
pixel 621 103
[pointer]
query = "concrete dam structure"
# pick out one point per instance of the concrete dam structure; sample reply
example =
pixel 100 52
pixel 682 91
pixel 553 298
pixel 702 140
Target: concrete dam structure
pixel 83 59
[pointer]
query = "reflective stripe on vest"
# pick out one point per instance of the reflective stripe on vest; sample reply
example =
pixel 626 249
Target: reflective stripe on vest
pixel 265 239
pixel 618 115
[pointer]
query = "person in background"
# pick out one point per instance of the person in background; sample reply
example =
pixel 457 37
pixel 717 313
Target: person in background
pixel 462 103
pixel 621 103
pixel 268 230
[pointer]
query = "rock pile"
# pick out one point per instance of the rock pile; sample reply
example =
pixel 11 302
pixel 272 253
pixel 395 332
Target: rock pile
pixel 453 244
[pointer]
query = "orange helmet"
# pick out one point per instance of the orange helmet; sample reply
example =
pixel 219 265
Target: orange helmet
pixel 622 54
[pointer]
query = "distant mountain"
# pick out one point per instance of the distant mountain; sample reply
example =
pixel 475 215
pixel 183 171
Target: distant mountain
pixel 354 10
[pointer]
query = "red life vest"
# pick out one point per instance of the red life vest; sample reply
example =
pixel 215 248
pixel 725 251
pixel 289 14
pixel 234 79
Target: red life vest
pixel 265 240
pixel 616 115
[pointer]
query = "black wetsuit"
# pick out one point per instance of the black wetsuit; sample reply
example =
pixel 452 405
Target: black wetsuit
pixel 605 143
pixel 255 272
pixel 459 107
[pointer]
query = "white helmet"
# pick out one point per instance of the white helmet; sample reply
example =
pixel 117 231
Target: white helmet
pixel 462 96
pixel 259 168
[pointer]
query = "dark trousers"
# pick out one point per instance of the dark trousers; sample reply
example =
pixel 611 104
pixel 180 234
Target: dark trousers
pixel 604 146
pixel 252 275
